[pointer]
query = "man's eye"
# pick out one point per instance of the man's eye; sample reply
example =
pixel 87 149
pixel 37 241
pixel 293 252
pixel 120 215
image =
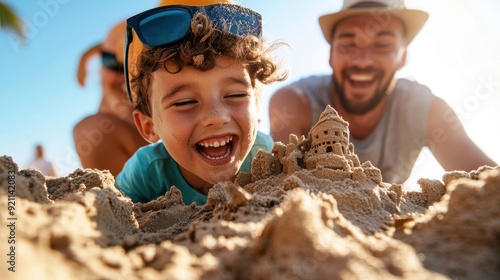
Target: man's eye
pixel 382 46
pixel 346 46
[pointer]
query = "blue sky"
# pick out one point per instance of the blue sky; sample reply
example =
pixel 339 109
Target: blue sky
pixel 455 55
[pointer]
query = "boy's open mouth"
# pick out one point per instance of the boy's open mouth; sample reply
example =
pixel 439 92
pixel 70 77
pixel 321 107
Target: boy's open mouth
pixel 216 149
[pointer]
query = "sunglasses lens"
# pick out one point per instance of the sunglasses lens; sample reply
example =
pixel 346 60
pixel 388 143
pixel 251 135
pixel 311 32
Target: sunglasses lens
pixel 165 27
pixel 109 61
pixel 235 19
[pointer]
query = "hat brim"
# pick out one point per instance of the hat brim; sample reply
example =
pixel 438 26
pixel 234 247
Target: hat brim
pixel 413 20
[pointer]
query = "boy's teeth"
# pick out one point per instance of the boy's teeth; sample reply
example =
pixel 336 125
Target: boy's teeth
pixel 216 143
pixel 215 149
pixel 215 158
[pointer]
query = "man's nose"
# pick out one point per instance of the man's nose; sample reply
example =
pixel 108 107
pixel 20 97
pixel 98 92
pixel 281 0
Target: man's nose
pixel 362 57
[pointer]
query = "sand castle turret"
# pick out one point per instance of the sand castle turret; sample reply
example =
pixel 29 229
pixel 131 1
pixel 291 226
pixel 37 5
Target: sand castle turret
pixel 332 152
pixel 330 134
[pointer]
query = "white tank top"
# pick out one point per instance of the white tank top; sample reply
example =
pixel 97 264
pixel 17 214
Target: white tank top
pixel 393 150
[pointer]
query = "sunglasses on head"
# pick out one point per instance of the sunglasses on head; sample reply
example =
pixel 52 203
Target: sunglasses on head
pixel 109 61
pixel 168 25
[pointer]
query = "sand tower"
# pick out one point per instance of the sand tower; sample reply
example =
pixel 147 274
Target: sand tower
pixel 329 134
pixel 330 145
pixel 331 150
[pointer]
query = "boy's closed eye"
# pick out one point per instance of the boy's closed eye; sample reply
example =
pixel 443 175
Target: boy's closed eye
pixel 184 103
pixel 233 96
pixel 238 95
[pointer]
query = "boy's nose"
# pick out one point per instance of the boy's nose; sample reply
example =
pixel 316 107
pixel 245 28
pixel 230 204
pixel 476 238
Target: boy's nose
pixel 215 116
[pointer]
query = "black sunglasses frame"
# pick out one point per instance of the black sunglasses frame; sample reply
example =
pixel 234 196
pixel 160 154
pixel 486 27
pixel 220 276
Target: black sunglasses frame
pixel 253 28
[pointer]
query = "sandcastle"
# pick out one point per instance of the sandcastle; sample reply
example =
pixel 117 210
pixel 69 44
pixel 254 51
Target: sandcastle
pixel 308 210
pixel 327 151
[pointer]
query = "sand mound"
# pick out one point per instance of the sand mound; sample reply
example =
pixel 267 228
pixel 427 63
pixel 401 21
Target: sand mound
pixel 308 210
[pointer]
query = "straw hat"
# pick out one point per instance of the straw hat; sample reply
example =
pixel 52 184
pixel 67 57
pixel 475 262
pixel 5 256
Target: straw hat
pixel 413 20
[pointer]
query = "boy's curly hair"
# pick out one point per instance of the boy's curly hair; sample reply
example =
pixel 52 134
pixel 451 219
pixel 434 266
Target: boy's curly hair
pixel 200 49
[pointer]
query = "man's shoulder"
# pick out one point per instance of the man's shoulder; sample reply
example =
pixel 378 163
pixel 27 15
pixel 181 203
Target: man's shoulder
pixel 409 91
pixel 410 85
pixel 306 86
pixel 315 79
pixel 411 98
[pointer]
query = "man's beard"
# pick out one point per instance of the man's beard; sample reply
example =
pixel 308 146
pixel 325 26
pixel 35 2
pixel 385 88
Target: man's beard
pixel 365 107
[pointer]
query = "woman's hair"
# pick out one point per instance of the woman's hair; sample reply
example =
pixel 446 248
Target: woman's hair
pixel 200 49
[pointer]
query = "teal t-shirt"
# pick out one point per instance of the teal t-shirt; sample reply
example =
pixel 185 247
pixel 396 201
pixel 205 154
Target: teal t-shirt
pixel 151 172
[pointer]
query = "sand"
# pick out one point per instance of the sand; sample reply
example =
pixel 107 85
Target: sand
pixel 308 210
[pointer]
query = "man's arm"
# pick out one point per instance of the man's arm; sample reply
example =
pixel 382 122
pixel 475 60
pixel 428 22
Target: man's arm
pixel 449 142
pixel 289 113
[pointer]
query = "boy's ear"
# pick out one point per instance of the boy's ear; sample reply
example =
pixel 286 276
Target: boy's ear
pixel 145 126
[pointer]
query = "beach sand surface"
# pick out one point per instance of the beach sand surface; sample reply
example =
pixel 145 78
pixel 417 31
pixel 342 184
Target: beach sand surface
pixel 308 210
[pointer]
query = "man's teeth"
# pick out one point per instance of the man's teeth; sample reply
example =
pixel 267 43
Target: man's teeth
pixel 216 143
pixel 361 78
